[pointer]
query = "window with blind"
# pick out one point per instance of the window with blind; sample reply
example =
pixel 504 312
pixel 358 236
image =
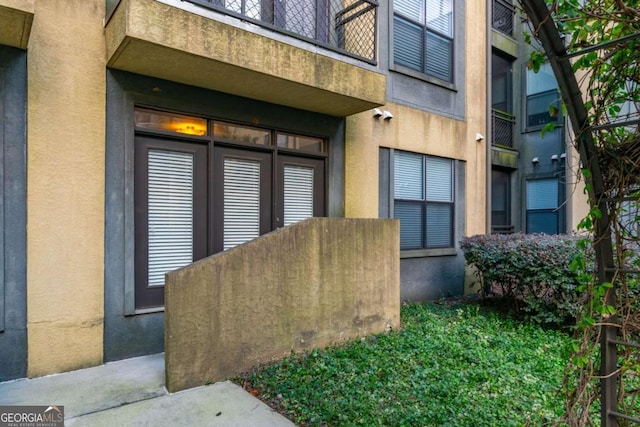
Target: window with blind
pixel 423 36
pixel 171 212
pixel 423 200
pixel 542 206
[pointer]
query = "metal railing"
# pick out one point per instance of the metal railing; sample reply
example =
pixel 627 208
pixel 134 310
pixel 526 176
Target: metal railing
pixel 502 125
pixel 348 26
pixel 502 16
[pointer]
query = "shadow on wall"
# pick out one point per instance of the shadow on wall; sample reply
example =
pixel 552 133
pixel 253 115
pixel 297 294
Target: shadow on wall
pixel 318 282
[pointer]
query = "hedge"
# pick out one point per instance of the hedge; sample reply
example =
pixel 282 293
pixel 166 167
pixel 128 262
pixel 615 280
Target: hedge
pixel 531 271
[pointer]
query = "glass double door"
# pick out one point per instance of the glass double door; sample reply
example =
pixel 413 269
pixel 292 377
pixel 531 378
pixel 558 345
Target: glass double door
pixel 195 199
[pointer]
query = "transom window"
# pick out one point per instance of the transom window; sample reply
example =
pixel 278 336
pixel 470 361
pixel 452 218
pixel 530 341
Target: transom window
pixel 203 186
pixel 423 36
pixel 423 200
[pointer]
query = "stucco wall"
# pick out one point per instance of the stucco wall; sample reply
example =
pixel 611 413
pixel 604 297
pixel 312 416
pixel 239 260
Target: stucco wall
pixel 65 187
pixel 421 128
pixel 433 119
pixel 321 281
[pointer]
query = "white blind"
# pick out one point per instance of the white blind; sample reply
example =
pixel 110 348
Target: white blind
pixel 298 193
pixel 542 194
pixel 413 9
pixel 440 16
pixel 439 225
pixel 408 49
pixel 439 57
pixel 410 215
pixel 241 201
pixel 439 180
pixel 408 176
pixel 170 213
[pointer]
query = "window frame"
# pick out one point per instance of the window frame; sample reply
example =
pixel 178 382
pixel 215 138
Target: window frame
pixel 425 248
pixel 559 122
pixel 2 195
pixel 218 149
pixel 425 29
pixel 555 210
pixel 151 297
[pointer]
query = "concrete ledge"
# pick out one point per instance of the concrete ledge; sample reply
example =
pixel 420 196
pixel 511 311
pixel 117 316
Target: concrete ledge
pixel 16 17
pixel 155 39
pixel 318 282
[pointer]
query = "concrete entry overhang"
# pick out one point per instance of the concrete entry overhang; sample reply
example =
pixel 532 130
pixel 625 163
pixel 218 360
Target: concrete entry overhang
pixel 156 39
pixel 16 17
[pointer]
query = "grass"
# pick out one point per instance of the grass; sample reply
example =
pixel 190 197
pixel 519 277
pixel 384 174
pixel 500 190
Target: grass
pixel 448 366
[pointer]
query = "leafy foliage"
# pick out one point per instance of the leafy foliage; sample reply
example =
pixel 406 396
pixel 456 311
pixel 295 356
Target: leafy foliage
pixel 532 271
pixel 449 366
pixel 605 36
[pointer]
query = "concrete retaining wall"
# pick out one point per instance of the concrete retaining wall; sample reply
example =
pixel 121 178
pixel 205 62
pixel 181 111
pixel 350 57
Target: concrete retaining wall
pixel 318 282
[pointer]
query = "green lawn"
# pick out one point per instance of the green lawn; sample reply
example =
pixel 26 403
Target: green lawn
pixel 448 366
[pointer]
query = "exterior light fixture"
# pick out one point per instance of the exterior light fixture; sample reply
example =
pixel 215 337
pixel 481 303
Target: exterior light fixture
pixel 535 160
pixel 479 137
pixel 377 112
pixel 387 115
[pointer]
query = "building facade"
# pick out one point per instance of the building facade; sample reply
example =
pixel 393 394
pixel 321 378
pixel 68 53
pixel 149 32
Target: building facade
pixel 535 178
pixel 140 135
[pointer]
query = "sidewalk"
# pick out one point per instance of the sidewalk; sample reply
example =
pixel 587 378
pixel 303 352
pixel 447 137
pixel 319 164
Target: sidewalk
pixel 131 393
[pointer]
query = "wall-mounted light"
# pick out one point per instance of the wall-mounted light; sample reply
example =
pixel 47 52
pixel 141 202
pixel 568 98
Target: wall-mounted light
pixel 377 112
pixel 387 115
pixel 563 156
pixel 535 160
pixel 479 137
pixel 554 158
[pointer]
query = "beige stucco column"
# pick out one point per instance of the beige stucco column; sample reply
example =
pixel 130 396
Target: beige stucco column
pixel 65 185
pixel 476 116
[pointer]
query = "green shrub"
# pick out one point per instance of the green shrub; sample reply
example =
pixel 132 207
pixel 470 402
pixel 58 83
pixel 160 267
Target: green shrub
pixel 531 271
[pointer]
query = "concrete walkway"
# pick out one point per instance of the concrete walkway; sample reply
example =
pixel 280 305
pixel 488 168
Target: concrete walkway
pixel 131 393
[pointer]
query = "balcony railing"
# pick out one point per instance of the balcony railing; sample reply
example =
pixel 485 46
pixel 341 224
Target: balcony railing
pixel 502 125
pixel 348 26
pixel 502 16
